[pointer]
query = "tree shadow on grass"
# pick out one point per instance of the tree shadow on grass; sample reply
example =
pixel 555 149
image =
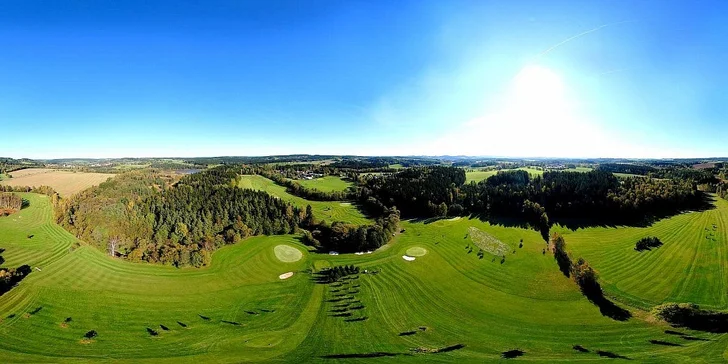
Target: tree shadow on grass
pixel 378 354
pixel 609 308
pixel 609 354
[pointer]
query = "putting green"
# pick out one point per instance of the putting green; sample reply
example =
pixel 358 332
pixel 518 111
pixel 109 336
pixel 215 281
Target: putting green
pixel 416 251
pixel 287 253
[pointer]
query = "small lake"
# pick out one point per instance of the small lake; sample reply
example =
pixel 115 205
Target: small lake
pixel 187 171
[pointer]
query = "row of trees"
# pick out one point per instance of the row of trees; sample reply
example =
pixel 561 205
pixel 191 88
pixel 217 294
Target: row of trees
pixel 440 191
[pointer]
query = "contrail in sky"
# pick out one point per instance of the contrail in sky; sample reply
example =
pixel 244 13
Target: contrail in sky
pixel 567 40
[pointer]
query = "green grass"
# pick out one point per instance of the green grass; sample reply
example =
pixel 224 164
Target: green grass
pixel 287 254
pixel 628 175
pixel 326 184
pixel 688 268
pixel 489 307
pixel 480 175
pixel 325 210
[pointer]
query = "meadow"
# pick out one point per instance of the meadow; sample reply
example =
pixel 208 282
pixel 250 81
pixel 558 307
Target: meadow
pixel 326 210
pixel 66 183
pixel 326 184
pixel 691 266
pixel 449 305
pixel 483 174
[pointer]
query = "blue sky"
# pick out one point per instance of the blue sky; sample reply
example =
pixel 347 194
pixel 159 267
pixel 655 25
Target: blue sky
pixel 499 78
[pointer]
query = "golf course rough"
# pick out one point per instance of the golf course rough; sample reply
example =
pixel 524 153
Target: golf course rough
pixel 287 254
pixel 238 309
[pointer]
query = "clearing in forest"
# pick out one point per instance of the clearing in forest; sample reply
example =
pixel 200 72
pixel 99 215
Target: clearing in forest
pixel 326 184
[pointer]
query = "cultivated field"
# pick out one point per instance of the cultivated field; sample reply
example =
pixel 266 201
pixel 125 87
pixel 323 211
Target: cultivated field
pixel 326 184
pixel 66 183
pixel 474 309
pixel 327 210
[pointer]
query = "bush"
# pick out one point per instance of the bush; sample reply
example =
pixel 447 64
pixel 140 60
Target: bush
pixel 692 316
pixel 647 243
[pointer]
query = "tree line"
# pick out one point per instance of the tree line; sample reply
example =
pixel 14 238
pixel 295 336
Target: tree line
pixel 440 191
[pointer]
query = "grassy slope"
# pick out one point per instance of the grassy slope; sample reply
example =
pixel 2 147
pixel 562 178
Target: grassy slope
pixel 65 183
pixel 326 210
pixel 326 184
pixel 487 306
pixel 688 268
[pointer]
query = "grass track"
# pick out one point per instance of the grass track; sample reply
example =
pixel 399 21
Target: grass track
pixel 489 307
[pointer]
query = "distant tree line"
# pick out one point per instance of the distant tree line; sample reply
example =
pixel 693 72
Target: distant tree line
pixel 626 168
pixel 697 176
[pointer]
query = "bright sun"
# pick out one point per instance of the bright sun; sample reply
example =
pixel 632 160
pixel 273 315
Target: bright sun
pixel 535 110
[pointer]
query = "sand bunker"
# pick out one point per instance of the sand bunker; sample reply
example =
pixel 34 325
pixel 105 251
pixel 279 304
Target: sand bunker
pixel 408 258
pixel 286 275
pixel 416 251
pixel 287 253
pixel 345 204
pixel 456 218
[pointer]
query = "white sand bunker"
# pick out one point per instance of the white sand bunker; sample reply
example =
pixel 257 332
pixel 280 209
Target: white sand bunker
pixel 287 253
pixel 345 204
pixel 487 242
pixel 456 218
pixel 416 251
pixel 408 258
pixel 286 275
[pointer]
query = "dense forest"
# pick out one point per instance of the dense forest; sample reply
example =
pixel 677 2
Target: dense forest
pixel 141 216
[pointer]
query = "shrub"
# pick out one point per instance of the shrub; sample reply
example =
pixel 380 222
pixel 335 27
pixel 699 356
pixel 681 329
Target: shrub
pixel 647 243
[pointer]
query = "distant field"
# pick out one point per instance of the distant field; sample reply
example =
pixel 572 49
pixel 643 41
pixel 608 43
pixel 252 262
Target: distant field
pixel 326 210
pixel 628 175
pixel 478 176
pixel 66 183
pixel 326 184
pixel 238 309
pixel 691 266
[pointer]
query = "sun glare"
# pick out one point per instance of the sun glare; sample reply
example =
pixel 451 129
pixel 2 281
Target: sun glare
pixel 537 106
